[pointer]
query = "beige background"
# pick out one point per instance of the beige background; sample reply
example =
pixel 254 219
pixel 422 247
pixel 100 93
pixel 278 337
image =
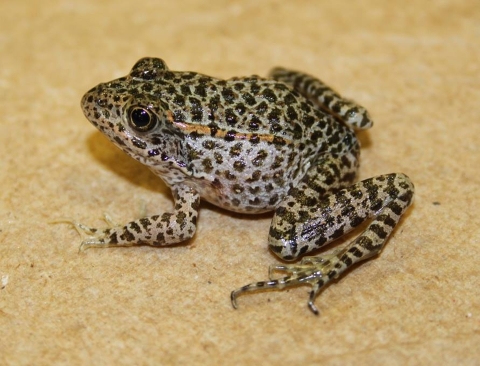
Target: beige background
pixel 414 64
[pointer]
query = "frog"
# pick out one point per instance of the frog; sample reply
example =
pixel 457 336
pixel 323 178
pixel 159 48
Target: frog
pixel 285 144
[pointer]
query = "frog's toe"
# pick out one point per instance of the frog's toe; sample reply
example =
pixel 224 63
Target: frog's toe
pixel 108 219
pixel 92 237
pixel 316 287
pixel 85 230
pixel 278 284
pixel 288 269
pixel 92 243
pixel 82 229
pixel 298 275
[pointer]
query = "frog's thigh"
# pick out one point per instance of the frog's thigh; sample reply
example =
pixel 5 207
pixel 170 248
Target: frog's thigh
pixel 310 223
pixel 324 96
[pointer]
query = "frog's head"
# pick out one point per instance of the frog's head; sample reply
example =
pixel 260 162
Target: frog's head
pixel 131 113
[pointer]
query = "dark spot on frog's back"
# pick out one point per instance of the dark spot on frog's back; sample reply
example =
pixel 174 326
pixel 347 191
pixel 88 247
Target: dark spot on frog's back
pixel 185 90
pixel 179 116
pixel 170 89
pixel 179 100
pixel 194 135
pixel 249 98
pixel 291 113
pixel 214 103
pixel 200 91
pixel 279 141
pixel 213 129
pixel 308 121
pixel 269 95
pixel 254 88
pixel 274 116
pixel 240 108
pixel 230 117
pixel 289 99
pixel 254 123
pixel 254 139
pixel 261 108
pixel 306 107
pixel 238 86
pixel 228 95
pixel 275 128
pixel 230 135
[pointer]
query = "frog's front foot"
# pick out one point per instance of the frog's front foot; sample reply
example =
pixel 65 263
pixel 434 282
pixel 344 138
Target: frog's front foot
pixel 92 237
pixel 157 230
pixel 97 238
pixel 313 271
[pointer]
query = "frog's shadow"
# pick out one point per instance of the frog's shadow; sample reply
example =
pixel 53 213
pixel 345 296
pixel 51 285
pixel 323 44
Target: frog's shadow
pixel 123 165
pixel 364 139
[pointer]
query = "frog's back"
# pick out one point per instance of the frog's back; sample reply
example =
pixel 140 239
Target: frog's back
pixel 249 139
pixel 248 105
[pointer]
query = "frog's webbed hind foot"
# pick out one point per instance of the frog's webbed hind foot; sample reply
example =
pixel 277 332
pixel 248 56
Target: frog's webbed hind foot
pixel 313 271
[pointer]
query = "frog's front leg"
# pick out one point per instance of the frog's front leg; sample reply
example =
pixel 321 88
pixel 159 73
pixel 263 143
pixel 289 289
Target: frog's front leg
pixel 157 230
pixel 298 229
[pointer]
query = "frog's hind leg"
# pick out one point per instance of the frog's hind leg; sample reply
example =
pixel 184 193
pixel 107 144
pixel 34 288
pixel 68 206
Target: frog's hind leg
pixel 324 96
pixel 299 227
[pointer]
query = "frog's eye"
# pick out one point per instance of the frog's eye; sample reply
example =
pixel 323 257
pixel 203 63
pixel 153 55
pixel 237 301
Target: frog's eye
pixel 142 119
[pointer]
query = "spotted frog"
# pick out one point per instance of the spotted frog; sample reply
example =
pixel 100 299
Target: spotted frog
pixel 285 143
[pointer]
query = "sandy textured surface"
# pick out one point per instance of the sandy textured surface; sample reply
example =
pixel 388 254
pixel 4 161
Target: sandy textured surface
pixel 414 65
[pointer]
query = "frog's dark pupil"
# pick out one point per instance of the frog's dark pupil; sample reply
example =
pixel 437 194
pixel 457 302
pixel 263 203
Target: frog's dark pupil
pixel 140 118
